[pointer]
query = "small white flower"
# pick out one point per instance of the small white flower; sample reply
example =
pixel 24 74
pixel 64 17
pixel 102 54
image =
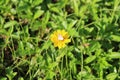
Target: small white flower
pixel 60 37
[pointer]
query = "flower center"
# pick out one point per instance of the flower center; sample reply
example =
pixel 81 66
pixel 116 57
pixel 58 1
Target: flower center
pixel 60 37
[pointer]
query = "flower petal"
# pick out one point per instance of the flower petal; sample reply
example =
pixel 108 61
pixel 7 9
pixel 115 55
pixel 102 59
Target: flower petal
pixel 60 38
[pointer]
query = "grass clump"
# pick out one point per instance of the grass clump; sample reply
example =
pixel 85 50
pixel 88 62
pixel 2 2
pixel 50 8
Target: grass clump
pixel 91 30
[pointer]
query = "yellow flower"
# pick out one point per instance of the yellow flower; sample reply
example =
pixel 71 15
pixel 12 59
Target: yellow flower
pixel 60 38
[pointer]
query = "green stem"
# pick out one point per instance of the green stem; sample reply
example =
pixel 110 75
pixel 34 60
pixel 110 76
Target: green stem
pixel 81 64
pixel 101 73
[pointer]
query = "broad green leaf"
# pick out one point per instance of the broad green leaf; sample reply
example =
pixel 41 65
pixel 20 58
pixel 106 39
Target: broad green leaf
pixel 36 24
pixel 3 78
pixel 14 1
pixel 94 46
pixel 49 75
pixel 73 66
pixel 90 59
pixel 36 2
pixel 10 74
pixel 1 20
pixel 82 11
pixel 15 36
pixel 9 24
pixel 52 65
pixel 46 45
pixel 10 30
pixel 13 11
pixel 114 55
pixel 115 38
pixel 111 76
pixel 55 9
pixel 70 54
pixel 64 23
pixel 88 68
pixel 3 31
pixel 72 23
pixel 89 29
pixel 103 63
pixel 75 6
pixel 40 79
pixel 38 14
pixel 72 32
pixel 20 78
pixel 63 3
pixel 47 16
pixel 20 50
pixel 1 66
pixel 45 19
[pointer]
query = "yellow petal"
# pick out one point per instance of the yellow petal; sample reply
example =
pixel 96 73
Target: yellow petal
pixel 67 40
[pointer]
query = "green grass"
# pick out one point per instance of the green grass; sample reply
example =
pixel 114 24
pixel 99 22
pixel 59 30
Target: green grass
pixel 26 52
